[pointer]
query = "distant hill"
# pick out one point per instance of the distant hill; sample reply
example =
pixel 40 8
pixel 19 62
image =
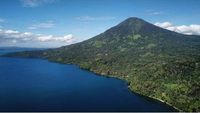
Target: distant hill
pixel 5 50
pixel 155 62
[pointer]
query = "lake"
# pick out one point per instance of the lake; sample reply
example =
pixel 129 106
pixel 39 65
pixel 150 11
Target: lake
pixel 40 85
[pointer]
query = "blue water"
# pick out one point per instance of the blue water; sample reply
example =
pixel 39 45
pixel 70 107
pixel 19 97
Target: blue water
pixel 39 85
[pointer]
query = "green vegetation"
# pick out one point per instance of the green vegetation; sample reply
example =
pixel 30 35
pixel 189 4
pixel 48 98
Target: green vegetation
pixel 135 37
pixel 98 44
pixel 151 45
pixel 155 62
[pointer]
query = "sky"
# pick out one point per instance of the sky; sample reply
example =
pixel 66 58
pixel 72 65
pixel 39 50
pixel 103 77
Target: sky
pixel 55 23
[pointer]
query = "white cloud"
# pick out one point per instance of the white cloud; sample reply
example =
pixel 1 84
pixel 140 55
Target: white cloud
pixel 66 38
pixel 13 36
pixel 36 3
pixel 11 32
pixel 164 24
pixel 153 12
pixel 90 18
pixel 192 29
pixel 48 24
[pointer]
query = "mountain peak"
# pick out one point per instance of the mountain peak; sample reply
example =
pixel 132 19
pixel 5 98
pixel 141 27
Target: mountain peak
pixel 132 21
pixel 129 26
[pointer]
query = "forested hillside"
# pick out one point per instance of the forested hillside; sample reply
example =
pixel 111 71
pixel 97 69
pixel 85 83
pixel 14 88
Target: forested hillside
pixel 156 62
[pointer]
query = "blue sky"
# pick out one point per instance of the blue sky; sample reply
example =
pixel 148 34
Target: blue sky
pixel 61 22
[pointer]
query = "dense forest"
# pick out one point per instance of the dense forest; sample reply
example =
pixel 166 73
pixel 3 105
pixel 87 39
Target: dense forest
pixel 155 62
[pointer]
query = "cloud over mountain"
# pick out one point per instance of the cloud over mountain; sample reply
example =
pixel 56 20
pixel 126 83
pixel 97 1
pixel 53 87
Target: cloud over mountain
pixel 192 29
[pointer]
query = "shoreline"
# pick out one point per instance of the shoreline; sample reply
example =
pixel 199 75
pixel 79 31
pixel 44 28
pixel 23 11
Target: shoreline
pixel 108 76
pixel 157 99
pixel 128 86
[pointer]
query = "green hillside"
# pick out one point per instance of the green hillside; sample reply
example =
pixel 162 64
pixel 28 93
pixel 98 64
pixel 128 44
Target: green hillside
pixel 156 62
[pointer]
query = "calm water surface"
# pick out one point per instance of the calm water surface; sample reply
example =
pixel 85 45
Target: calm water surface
pixel 39 85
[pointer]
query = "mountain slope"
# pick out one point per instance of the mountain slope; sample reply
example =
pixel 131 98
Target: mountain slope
pixel 156 62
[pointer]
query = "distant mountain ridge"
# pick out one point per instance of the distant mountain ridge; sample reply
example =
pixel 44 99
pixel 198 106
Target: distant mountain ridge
pixel 156 62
